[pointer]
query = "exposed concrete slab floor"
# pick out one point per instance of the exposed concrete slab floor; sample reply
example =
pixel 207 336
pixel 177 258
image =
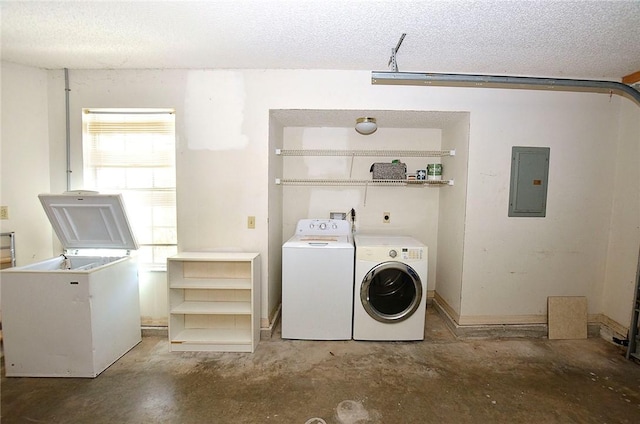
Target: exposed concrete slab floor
pixel 440 380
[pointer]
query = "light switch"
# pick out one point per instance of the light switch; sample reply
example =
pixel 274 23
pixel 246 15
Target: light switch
pixel 4 212
pixel 251 222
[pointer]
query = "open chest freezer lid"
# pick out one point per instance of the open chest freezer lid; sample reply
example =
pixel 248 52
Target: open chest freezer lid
pixel 89 220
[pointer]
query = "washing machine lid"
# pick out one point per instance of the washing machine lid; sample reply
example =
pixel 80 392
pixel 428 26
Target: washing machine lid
pixel 320 241
pixel 89 220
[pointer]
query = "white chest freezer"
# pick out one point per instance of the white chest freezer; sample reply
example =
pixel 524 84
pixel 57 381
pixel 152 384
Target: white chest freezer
pixel 72 315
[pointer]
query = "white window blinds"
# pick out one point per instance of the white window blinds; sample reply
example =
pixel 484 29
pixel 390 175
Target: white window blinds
pixel 133 152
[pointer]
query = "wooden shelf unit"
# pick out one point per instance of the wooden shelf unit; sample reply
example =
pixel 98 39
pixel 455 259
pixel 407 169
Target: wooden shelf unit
pixel 7 250
pixel 214 301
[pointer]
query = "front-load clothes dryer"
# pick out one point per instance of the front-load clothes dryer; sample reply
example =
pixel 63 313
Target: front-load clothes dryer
pixel 317 281
pixel 390 288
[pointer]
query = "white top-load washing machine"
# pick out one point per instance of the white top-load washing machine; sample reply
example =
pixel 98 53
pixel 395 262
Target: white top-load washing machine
pixel 390 288
pixel 317 281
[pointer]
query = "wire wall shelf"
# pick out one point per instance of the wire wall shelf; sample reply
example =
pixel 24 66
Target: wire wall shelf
pixel 371 153
pixel 350 182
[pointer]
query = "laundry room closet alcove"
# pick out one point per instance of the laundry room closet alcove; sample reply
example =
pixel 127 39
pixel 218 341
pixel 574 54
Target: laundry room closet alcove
pixel 434 214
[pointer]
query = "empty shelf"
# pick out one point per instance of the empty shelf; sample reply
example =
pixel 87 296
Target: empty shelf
pixel 213 308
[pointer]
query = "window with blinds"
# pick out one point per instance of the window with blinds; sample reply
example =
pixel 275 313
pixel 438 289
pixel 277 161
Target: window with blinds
pixel 132 151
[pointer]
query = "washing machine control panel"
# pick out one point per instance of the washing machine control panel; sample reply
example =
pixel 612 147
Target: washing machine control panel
pixel 393 253
pixel 329 227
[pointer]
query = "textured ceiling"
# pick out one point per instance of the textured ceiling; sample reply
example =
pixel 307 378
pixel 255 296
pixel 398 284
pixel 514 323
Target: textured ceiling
pixel 573 39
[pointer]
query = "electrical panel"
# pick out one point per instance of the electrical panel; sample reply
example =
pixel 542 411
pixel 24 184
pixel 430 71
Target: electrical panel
pixel 529 175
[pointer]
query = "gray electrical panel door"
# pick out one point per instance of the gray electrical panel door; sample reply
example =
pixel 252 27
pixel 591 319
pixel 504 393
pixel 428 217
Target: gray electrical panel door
pixel 529 174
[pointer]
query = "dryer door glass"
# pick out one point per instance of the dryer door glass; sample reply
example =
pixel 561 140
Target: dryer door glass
pixel 391 292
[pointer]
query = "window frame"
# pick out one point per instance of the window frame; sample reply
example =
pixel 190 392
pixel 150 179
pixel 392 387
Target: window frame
pixel 148 159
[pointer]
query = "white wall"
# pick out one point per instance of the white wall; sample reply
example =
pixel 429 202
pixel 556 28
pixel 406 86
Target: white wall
pixel 274 223
pixel 153 298
pixel 413 209
pixel 510 265
pixel 622 255
pixel 221 158
pixel 451 223
pixel 24 152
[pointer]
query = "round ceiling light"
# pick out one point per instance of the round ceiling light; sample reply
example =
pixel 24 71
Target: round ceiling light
pixel 366 125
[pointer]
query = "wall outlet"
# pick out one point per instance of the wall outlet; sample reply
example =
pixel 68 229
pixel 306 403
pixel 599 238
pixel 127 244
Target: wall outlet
pixel 251 222
pixel 386 217
pixel 4 212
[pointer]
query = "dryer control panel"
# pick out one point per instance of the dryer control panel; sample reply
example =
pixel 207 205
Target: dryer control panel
pixel 391 253
pixel 406 253
pixel 411 253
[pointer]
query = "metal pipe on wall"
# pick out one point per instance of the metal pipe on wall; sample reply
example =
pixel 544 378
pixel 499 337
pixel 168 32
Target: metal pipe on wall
pixel 496 81
pixel 68 129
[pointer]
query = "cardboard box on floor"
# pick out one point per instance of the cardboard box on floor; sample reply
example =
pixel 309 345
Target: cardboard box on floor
pixel 567 317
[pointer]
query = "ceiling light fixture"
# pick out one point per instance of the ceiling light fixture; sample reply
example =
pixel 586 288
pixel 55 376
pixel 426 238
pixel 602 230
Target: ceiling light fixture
pixel 366 125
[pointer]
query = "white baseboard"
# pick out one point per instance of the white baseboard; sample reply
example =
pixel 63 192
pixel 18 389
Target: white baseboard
pixel 598 325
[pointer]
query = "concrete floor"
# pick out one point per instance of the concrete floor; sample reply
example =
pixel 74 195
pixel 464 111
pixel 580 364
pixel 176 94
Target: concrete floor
pixel 440 380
